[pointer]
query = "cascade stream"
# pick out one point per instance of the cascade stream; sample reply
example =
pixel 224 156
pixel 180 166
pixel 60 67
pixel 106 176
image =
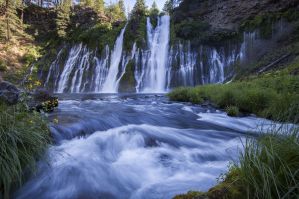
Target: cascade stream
pixel 157 68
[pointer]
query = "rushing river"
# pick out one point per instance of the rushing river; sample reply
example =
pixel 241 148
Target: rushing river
pixel 134 146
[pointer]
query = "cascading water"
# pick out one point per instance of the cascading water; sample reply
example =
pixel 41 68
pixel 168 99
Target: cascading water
pixel 111 83
pixel 158 42
pixel 154 68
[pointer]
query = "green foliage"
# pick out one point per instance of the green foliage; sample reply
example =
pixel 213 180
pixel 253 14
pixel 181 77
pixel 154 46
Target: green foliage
pixel 192 195
pixel 116 12
pixel 99 6
pixel 168 7
pixel 63 18
pixel 269 166
pixel 100 35
pixel 139 9
pixel 232 111
pixel 272 96
pixel 135 32
pixel 154 11
pixel 3 66
pixel 31 55
pixel 87 3
pixel 11 26
pixel 267 169
pixel 24 137
pixel 265 21
pixel 191 29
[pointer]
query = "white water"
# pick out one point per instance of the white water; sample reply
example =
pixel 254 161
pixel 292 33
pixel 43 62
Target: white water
pixel 157 67
pixel 158 42
pixel 111 83
pixel 64 77
pixel 101 71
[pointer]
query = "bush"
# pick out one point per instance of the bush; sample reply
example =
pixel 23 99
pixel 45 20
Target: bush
pixel 2 66
pixel 232 111
pixel 23 138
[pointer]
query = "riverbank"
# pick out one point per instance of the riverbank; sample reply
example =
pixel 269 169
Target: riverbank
pixel 268 166
pixel 268 169
pixel 273 95
pixel 24 138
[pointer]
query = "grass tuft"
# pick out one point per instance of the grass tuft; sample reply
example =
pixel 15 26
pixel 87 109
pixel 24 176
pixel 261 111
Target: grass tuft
pixel 23 138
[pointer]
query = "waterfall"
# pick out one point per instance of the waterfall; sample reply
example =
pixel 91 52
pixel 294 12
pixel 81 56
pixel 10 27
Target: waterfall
pixel 64 77
pixel 156 67
pixel 111 83
pixel 101 70
pixel 158 42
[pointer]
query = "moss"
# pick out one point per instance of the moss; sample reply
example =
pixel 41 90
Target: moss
pixel 265 21
pixel 98 36
pixel 191 29
pixel 136 32
pixel 128 81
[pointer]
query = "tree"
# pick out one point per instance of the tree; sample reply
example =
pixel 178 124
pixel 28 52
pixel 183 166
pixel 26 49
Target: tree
pixel 116 13
pixel 99 6
pixel 63 18
pixel 154 11
pixel 87 3
pixel 139 9
pixel 121 5
pixel 168 7
pixel 10 23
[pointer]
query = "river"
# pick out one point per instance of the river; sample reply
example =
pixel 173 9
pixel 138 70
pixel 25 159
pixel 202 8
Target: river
pixel 134 146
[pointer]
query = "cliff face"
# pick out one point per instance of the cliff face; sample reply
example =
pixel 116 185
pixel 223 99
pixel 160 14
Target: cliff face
pixel 174 52
pixel 229 14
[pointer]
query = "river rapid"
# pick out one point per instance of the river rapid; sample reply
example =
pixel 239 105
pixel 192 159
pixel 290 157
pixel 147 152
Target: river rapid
pixel 135 146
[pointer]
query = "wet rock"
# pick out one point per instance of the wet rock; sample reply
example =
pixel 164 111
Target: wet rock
pixel 9 93
pixel 42 100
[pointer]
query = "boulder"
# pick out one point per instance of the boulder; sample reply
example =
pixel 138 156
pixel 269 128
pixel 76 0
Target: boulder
pixel 9 93
pixel 42 100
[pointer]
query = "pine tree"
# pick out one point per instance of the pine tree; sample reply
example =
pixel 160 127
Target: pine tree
pixel 139 9
pixel 87 3
pixel 168 6
pixel 63 18
pixel 154 11
pixel 99 6
pixel 121 5
pixel 10 24
pixel 116 13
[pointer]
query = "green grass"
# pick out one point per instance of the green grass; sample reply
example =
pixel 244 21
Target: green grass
pixel 268 168
pixel 23 138
pixel 273 95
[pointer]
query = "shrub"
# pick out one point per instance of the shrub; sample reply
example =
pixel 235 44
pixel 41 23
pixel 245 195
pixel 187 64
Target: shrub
pixel 2 66
pixel 232 111
pixel 23 138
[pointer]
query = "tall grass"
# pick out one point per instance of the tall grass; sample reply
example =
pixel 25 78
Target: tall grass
pixel 269 166
pixel 268 96
pixel 23 138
